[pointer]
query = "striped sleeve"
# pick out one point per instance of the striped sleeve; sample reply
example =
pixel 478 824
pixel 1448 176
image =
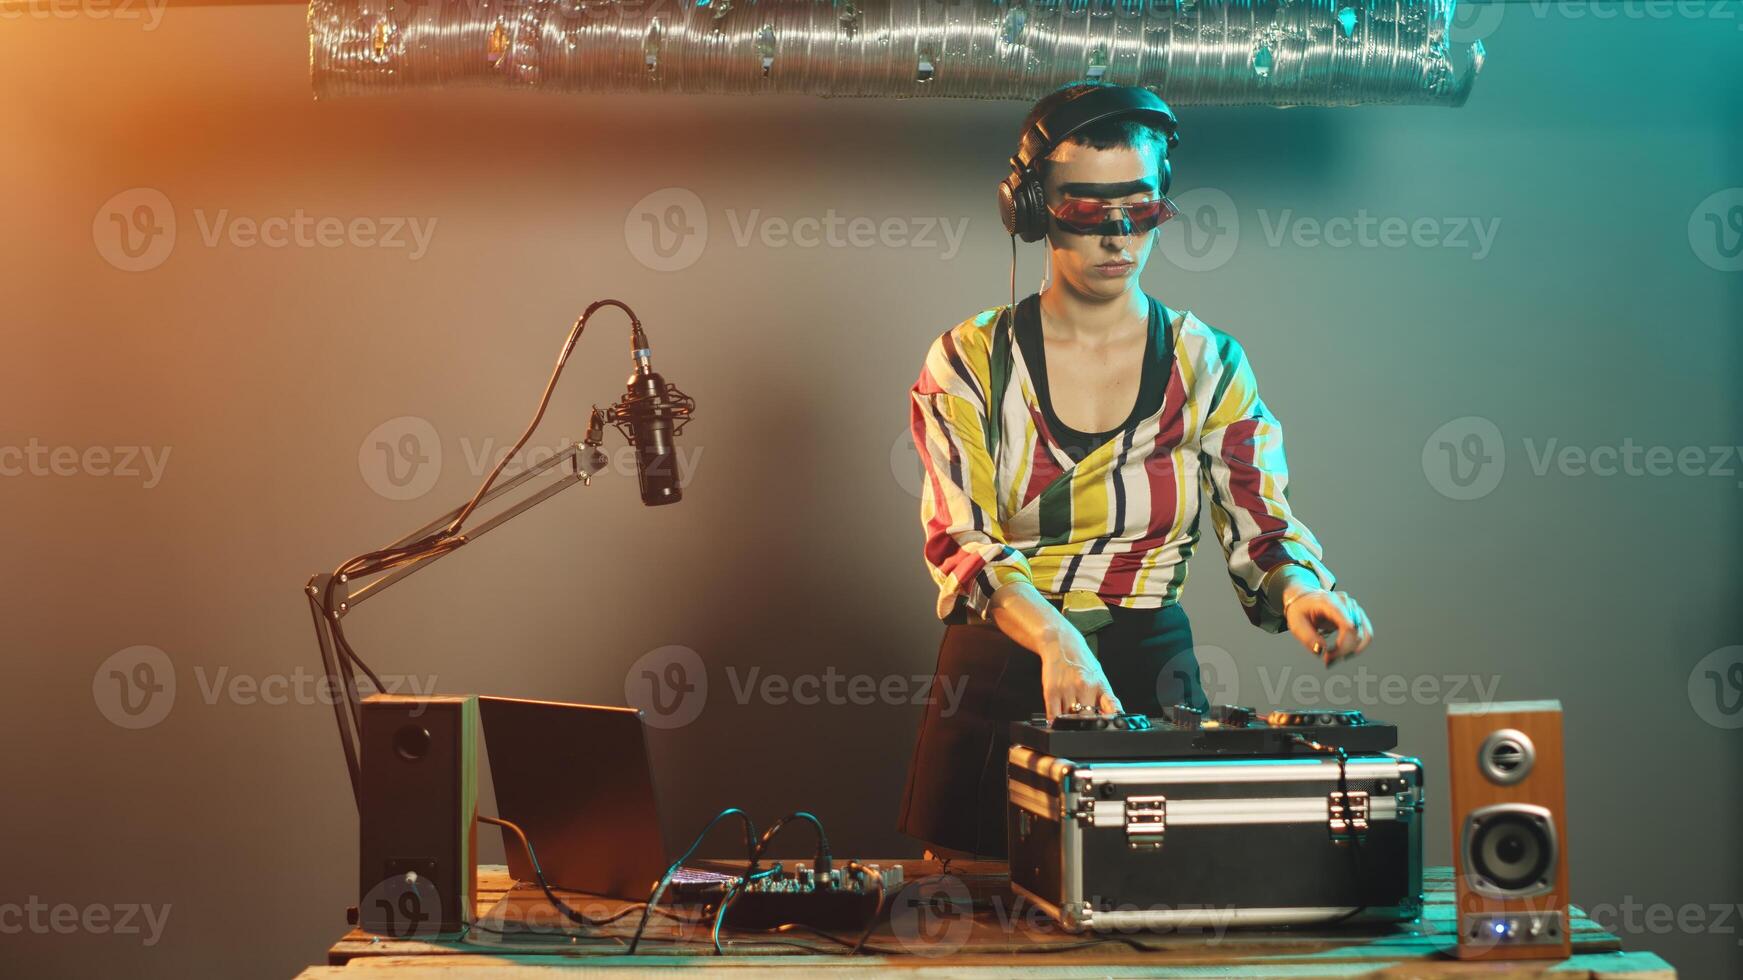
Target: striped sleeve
pixel 966 549
pixel 1246 480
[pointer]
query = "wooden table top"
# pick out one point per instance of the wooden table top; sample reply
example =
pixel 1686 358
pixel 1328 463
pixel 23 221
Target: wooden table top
pixel 520 935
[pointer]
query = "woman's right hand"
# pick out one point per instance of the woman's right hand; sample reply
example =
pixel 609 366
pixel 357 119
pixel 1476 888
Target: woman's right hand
pixel 1069 671
pixel 1070 675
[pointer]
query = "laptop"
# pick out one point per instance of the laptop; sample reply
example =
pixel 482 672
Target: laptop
pixel 576 778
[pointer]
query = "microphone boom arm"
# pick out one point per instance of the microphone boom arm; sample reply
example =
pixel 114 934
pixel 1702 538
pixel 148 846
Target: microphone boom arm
pixel 587 460
pixel 331 595
pixel 327 609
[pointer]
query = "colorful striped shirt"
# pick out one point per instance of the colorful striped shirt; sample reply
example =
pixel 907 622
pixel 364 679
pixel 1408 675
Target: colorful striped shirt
pixel 1003 503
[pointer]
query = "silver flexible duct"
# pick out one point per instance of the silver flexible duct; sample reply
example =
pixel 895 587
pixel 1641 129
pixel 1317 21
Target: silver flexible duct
pixel 1194 52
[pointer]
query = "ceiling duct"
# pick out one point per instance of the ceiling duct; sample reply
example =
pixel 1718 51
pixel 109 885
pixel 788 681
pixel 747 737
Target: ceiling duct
pixel 1195 52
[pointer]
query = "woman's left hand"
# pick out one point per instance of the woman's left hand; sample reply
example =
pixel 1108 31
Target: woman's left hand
pixel 1330 624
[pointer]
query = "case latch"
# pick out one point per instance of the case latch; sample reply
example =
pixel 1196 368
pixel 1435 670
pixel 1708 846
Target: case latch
pixel 1146 821
pixel 1347 814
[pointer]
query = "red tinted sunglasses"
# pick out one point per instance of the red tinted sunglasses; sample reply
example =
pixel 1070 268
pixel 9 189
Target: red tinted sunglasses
pixel 1086 217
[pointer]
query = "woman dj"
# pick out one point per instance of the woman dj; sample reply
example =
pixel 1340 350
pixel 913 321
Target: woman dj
pixel 1069 443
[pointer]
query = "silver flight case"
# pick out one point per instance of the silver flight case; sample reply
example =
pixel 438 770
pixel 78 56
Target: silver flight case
pixel 1216 841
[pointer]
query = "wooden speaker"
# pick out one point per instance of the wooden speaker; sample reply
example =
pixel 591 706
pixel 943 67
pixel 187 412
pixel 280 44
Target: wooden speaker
pixel 418 843
pixel 1509 822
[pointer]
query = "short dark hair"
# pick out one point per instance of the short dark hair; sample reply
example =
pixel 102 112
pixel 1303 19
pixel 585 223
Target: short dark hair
pixel 1111 134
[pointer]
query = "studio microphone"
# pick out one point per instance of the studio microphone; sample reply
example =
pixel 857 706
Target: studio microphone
pixel 650 415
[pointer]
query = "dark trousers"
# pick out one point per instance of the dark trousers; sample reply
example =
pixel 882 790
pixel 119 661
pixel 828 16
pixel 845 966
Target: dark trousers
pixel 955 797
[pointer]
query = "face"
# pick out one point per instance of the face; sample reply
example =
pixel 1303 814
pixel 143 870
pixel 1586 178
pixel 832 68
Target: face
pixel 1103 264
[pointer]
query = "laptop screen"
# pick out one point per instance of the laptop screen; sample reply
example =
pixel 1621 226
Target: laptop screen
pixel 577 779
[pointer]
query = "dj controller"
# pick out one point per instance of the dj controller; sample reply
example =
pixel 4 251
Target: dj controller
pixel 1221 730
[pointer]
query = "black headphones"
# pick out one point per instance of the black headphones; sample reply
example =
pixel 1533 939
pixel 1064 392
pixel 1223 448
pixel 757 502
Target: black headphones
pixel 1022 205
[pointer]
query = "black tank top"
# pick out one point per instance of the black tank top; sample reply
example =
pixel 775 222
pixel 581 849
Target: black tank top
pixel 1151 383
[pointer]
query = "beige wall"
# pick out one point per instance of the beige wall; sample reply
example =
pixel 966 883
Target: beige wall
pixel 1589 319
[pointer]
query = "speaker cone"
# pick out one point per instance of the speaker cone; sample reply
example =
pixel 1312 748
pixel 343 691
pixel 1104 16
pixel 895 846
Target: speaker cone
pixel 1510 849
